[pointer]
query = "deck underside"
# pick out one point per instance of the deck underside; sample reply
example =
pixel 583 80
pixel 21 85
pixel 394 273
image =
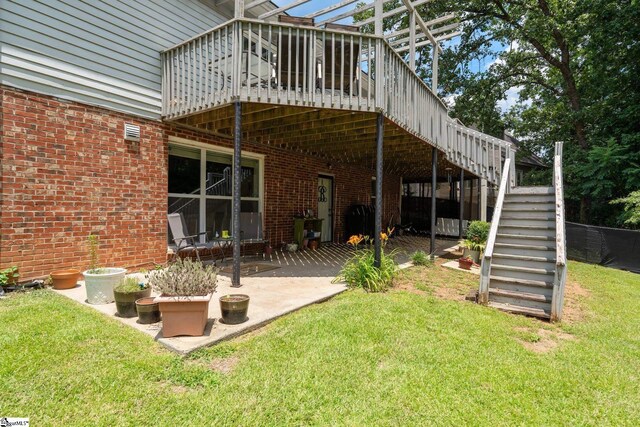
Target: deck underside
pixel 335 135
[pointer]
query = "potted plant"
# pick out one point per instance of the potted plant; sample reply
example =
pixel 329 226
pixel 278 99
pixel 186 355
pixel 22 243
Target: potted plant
pixel 148 310
pixel 9 276
pixel 234 308
pixel 476 239
pixel 126 293
pixel 465 263
pixel 185 289
pixel 64 279
pixel 99 281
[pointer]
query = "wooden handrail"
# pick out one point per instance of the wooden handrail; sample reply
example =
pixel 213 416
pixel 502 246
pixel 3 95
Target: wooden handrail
pixel 497 212
pixel 485 269
pixel 561 258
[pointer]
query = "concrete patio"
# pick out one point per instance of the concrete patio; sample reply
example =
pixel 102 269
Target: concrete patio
pixel 292 281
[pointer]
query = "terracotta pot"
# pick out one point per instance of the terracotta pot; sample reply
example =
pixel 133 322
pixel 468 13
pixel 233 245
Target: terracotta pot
pixel 126 301
pixel 182 315
pixel 148 310
pixel 65 279
pixel 465 263
pixel 313 245
pixel 234 308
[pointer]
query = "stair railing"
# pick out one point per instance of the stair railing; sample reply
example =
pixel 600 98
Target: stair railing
pixel 561 256
pixel 485 269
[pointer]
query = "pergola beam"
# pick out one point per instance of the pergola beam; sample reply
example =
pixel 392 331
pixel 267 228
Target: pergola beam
pixel 422 24
pixel 283 9
pixel 331 8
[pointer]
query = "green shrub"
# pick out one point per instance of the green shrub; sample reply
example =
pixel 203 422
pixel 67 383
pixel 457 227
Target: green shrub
pixel 359 272
pixel 478 231
pixel 420 258
pixel 130 285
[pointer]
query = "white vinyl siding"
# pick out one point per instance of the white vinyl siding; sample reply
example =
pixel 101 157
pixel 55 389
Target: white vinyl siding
pixel 104 53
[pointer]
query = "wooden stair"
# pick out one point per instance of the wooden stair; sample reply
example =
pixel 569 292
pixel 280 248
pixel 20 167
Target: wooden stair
pixel 523 264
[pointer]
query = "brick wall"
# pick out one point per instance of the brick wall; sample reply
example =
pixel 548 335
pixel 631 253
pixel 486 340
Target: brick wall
pixel 67 172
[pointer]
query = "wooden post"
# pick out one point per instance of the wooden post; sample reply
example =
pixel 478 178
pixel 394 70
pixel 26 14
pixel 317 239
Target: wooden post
pixel 238 9
pixel 434 69
pixel 483 200
pixel 378 9
pixel 461 201
pixel 434 183
pixel 412 41
pixel 235 211
pixel 378 213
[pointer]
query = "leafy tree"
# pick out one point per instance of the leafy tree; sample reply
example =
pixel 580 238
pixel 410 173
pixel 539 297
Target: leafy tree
pixel 576 65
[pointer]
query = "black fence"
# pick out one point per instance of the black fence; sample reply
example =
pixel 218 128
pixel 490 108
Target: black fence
pixel 611 247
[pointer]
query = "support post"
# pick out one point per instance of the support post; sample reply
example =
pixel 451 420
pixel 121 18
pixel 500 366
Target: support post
pixel 434 69
pixel 378 218
pixel 434 183
pixel 483 199
pixel 412 41
pixel 461 201
pixel 238 9
pixel 377 13
pixel 235 211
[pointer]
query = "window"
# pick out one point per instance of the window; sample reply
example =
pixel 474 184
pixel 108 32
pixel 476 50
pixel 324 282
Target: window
pixel 201 187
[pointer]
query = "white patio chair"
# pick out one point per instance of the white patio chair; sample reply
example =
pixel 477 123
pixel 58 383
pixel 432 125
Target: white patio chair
pixel 251 229
pixel 183 241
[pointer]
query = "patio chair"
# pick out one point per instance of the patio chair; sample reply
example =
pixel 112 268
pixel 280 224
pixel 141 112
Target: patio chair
pixel 183 241
pixel 251 230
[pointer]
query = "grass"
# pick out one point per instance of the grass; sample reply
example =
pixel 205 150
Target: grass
pixel 410 356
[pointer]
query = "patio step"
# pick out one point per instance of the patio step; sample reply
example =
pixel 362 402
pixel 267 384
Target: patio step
pixel 526 311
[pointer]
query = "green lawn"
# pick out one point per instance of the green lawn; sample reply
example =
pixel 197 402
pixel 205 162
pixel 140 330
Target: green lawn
pixel 407 357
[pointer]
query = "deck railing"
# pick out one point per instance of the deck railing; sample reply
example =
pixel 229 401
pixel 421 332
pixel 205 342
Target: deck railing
pixel 277 63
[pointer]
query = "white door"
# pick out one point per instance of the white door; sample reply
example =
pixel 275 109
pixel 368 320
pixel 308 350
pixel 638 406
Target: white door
pixel 325 206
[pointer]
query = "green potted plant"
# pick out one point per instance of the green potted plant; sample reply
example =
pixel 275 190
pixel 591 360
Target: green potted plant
pixel 99 281
pixel 126 292
pixel 185 289
pixel 476 240
pixel 9 276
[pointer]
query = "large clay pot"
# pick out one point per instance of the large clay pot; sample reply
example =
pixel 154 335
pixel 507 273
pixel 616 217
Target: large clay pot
pixel 234 308
pixel 65 279
pixel 182 315
pixel 474 255
pixel 126 301
pixel 148 310
pixel 465 263
pixel 100 285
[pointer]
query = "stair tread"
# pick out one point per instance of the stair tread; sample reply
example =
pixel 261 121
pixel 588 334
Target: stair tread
pixel 525 282
pixel 535 202
pixel 528 227
pixel 522 269
pixel 529 210
pixel 523 257
pixel 517 309
pixel 520 295
pixel 533 190
pixel 525 247
pixel 528 218
pixel 525 236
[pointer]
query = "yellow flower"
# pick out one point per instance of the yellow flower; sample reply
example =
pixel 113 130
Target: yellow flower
pixel 384 237
pixel 355 240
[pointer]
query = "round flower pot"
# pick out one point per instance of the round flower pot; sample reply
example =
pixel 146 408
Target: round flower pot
pixel 126 301
pixel 148 310
pixel 65 279
pixel 234 308
pixel 100 285
pixel 183 315
pixel 465 263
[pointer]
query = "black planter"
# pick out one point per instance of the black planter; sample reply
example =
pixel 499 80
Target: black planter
pixel 234 308
pixel 148 311
pixel 22 287
pixel 126 301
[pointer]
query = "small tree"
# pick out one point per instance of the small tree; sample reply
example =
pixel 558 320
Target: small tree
pixel 631 208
